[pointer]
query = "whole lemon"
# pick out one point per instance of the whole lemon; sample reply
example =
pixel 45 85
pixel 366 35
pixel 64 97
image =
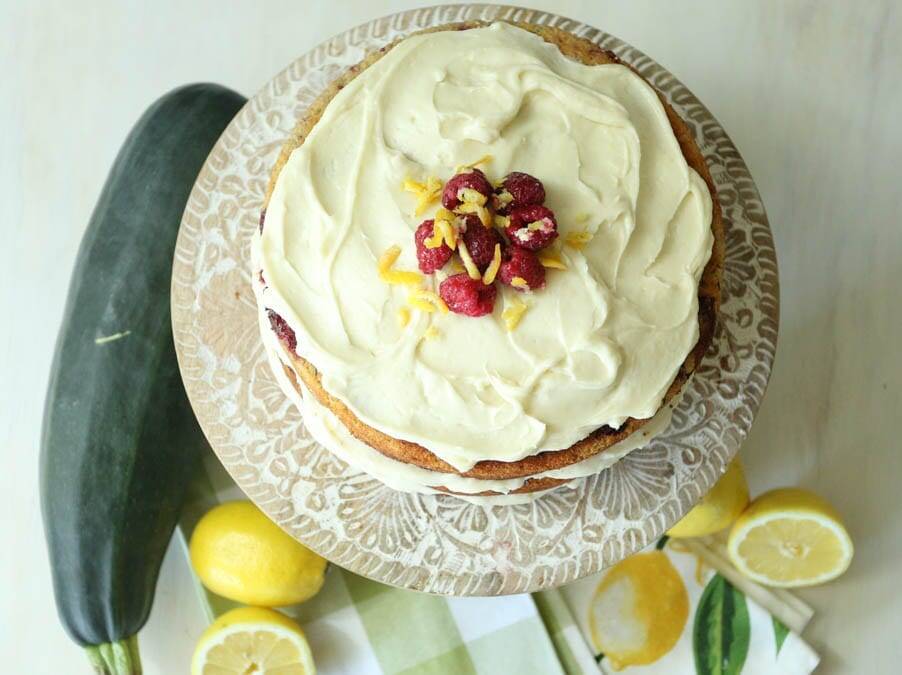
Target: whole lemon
pixel 239 553
pixel 719 508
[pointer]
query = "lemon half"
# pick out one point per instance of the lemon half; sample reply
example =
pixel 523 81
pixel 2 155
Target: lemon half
pixel 253 640
pixel 790 537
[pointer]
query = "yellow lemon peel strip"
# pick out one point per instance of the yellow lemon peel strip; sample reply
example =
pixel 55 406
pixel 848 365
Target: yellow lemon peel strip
pixel 392 276
pixel 484 214
pixel 578 240
pixel 403 317
pixel 492 270
pixel 426 193
pixel 422 299
pixel 443 230
pixel 469 265
pixel 467 168
pixel 551 261
pixel 471 196
pixel 513 314
pixel 519 282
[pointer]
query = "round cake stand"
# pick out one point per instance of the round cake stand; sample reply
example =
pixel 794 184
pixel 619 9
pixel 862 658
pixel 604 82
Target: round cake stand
pixel 440 544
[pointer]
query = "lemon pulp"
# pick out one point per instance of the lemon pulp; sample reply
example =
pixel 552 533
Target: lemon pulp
pixel 790 537
pixel 253 640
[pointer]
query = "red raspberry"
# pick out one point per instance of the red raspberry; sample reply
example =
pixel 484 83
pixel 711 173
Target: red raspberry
pixel 282 330
pixel 430 259
pixel 522 263
pixel 521 235
pixel 473 179
pixel 464 295
pixel 480 241
pixel 518 189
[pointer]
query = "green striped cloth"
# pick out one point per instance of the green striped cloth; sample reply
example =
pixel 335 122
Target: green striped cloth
pixel 357 626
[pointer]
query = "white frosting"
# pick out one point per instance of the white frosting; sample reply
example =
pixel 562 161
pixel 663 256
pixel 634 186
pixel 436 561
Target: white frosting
pixel 328 431
pixel 601 343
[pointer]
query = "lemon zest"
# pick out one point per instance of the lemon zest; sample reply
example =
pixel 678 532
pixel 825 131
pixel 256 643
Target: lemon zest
pixel 403 317
pixel 429 298
pixel 426 193
pixel 393 276
pixel 513 314
pixel 471 196
pixel 470 207
pixel 421 305
pixel 502 222
pixel 551 261
pixel 447 232
pixel 468 168
pixel 578 240
pixel 401 277
pixel 519 282
pixel 504 197
pixel 387 259
pixel 492 270
pixel 469 265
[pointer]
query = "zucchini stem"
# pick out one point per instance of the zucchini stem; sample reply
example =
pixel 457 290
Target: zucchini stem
pixel 116 658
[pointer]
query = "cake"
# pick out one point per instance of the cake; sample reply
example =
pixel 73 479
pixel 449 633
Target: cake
pixel 588 302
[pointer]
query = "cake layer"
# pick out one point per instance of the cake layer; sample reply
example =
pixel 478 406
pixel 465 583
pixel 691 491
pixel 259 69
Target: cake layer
pixel 328 431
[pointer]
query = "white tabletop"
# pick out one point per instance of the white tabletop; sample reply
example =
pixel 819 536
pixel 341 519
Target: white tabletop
pixel 811 94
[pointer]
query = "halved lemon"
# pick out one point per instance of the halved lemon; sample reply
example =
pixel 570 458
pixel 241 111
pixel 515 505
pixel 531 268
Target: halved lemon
pixel 790 537
pixel 253 640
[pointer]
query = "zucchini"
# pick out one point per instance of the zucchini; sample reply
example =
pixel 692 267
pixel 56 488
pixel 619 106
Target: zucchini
pixel 119 440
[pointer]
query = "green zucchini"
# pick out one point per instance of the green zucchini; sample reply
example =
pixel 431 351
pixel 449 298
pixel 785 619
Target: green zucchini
pixel 119 440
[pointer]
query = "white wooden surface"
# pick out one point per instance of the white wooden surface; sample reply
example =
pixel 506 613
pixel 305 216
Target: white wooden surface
pixel 811 92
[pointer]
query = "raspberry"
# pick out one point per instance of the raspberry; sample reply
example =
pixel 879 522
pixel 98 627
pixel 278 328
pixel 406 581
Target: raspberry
pixel 282 330
pixel 430 259
pixel 480 241
pixel 464 295
pixel 262 218
pixel 524 265
pixel 518 189
pixel 473 180
pixel 532 227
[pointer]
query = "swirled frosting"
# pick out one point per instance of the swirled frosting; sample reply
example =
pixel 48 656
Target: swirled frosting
pixel 606 337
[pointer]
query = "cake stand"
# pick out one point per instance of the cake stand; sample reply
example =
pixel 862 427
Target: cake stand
pixel 440 544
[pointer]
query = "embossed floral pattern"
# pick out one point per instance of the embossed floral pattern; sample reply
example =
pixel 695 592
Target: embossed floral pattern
pixel 438 543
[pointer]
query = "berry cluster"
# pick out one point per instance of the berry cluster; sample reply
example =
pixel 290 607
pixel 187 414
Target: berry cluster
pixel 495 232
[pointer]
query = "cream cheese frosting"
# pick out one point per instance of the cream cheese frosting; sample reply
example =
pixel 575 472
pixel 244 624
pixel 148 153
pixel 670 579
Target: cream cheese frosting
pixel 606 337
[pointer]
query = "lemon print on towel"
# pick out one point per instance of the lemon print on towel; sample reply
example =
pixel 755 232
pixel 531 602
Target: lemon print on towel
pixel 639 610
